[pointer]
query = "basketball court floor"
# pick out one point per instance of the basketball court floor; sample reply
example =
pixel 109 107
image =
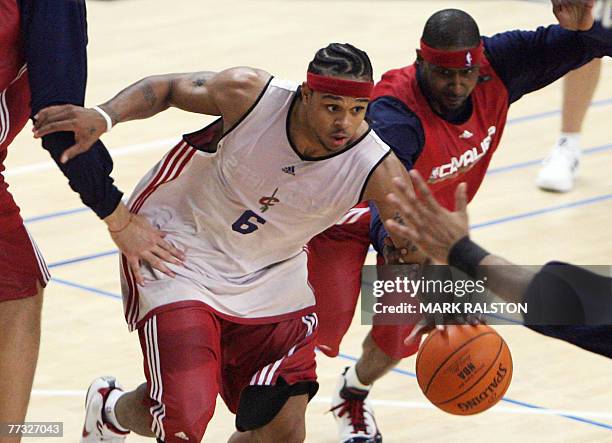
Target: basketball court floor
pixel 558 393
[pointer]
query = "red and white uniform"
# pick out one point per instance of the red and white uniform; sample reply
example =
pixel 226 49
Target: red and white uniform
pixel 243 215
pixel 21 263
pixel 240 308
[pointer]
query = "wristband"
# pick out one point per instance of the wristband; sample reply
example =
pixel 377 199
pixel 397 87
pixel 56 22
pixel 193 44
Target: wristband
pixel 109 121
pixel 466 256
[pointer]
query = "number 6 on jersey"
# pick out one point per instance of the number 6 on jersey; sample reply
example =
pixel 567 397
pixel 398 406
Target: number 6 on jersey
pixel 246 223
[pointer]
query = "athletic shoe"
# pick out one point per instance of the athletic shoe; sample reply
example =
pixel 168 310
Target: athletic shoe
pixel 559 168
pixel 96 429
pixel 354 414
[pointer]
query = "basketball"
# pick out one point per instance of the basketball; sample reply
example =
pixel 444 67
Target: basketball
pixel 464 370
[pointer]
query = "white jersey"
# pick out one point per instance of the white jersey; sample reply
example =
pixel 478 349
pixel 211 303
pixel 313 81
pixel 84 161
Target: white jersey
pixel 243 212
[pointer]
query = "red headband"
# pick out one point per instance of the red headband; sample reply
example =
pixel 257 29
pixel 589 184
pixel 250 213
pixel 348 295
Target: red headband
pixel 339 86
pixel 453 59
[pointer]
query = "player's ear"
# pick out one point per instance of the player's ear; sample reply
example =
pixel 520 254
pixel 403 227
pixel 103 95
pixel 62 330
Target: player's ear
pixel 306 92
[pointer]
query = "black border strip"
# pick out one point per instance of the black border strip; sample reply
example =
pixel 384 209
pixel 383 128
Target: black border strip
pixel 365 184
pixel 246 114
pixel 240 120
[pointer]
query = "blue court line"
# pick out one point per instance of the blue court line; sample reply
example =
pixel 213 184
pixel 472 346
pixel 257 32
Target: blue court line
pixel 497 221
pixel 504 399
pixel 521 165
pixel 530 214
pixel 86 288
pixel 83 258
pixel 492 171
pixel 510 122
pixel 546 114
pixel 55 214
pixel 354 359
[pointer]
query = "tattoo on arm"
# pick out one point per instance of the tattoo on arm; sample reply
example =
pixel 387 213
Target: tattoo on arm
pixel 198 82
pixel 149 94
pixel 399 219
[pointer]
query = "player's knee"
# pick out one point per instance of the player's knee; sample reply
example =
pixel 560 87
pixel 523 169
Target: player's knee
pixel 189 426
pixel 186 418
pixel 291 429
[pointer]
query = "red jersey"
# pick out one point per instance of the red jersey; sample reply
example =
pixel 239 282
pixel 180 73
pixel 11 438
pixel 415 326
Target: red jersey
pixel 453 153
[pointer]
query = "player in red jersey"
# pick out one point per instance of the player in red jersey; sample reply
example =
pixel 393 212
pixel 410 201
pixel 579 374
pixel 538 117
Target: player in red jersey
pixel 43 62
pixel 444 116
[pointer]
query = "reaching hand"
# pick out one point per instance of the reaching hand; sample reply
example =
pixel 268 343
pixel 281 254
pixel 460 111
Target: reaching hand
pixel 423 221
pixel 574 15
pixel 139 241
pixel 87 124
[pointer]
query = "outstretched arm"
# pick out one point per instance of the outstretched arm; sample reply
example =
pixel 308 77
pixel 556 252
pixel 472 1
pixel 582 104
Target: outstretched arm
pixel 444 236
pixel 377 188
pixel 229 93
pixel 529 60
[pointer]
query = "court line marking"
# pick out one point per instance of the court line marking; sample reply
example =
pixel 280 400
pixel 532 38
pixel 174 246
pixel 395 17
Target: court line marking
pixel 70 393
pixel 498 221
pixel 530 406
pixel 115 153
pixel 492 171
pixel 169 142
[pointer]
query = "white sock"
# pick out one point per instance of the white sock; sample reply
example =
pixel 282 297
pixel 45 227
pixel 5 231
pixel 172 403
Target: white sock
pixel 353 381
pixel 571 140
pixel 109 408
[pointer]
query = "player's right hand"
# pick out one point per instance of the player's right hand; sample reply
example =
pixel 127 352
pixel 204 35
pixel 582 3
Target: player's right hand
pixel 87 124
pixel 140 242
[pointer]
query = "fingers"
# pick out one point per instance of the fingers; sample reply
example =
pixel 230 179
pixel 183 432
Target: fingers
pixel 424 190
pixel 56 126
pixel 72 152
pixel 166 256
pixel 51 113
pixel 461 198
pixel 422 327
pixel 408 210
pixel 158 264
pixel 403 231
pixel 174 252
pixel 134 265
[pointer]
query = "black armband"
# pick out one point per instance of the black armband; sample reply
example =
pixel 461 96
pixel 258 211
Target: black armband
pixel 466 255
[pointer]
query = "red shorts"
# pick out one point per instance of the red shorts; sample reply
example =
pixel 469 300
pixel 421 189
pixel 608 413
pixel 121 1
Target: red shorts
pixel 335 259
pixel 191 355
pixel 22 265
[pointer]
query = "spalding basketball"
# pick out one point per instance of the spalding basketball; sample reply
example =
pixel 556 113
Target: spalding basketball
pixel 464 370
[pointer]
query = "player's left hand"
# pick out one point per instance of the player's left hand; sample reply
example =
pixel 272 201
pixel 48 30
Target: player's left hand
pixel 409 253
pixel 574 15
pixel 87 124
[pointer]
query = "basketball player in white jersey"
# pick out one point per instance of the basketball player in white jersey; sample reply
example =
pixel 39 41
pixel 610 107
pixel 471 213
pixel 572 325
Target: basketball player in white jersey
pixel 241 198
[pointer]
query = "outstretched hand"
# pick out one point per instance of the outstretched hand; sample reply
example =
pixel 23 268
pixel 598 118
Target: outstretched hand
pixel 574 15
pixel 87 124
pixel 423 221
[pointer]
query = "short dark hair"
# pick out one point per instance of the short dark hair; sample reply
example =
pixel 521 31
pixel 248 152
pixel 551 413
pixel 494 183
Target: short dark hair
pixel 342 59
pixel 450 29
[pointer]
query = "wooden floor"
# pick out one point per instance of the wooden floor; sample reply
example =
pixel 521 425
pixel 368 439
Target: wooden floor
pixel 558 392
